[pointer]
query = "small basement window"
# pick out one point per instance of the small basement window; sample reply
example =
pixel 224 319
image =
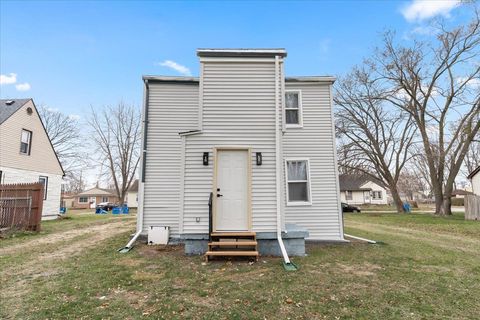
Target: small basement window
pixel 298 182
pixel 293 109
pixel 26 142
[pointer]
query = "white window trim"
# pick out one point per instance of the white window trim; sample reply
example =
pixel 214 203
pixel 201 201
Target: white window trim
pixel 309 184
pixel 300 111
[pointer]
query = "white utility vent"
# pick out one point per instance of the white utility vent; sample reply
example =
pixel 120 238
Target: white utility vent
pixel 158 234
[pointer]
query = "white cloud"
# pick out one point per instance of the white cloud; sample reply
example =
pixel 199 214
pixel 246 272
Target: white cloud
pixel 8 79
pixel 74 117
pixel 474 83
pixel 23 86
pixel 175 66
pixel 50 109
pixel 418 10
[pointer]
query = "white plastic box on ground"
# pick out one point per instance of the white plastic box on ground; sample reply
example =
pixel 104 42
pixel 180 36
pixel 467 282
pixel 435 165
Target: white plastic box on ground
pixel 158 234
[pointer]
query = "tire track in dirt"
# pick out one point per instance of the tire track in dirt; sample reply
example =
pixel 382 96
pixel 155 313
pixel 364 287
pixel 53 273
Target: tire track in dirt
pixel 444 241
pixel 54 238
pixel 17 282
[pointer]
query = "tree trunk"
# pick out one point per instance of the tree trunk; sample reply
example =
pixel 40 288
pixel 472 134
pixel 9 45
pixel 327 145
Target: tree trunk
pixel 397 200
pixel 446 206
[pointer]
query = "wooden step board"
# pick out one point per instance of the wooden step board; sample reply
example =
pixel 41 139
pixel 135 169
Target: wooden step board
pixel 232 244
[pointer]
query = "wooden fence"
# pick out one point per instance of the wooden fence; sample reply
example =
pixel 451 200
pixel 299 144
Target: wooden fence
pixel 21 206
pixel 472 207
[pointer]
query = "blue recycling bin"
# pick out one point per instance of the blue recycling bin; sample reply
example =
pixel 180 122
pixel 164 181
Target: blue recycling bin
pixel 116 210
pixel 406 207
pixel 125 209
pixel 63 210
pixel 100 211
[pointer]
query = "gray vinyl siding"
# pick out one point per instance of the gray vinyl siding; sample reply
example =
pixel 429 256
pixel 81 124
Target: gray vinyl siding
pixel 238 110
pixel 316 142
pixel 172 108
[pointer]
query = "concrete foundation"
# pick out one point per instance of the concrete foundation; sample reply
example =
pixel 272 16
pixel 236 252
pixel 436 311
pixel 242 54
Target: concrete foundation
pixel 293 238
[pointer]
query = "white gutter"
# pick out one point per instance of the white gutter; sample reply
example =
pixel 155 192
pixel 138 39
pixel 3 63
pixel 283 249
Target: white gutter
pixel 282 91
pixel 278 161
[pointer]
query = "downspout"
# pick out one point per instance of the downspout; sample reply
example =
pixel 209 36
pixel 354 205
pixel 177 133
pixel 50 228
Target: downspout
pixel 278 162
pixel 141 187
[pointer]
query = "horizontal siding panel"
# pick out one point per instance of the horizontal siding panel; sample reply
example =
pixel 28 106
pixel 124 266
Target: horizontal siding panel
pixel 316 142
pixel 172 108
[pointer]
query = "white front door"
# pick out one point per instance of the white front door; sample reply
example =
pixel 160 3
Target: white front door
pixel 232 191
pixel 93 203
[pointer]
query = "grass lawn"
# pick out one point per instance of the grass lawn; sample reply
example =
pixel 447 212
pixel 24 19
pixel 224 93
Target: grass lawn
pixel 426 268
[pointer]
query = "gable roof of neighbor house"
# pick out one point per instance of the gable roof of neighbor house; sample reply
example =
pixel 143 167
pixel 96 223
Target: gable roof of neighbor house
pixel 9 107
pixel 354 182
pixel 134 186
pixel 474 172
pixel 97 192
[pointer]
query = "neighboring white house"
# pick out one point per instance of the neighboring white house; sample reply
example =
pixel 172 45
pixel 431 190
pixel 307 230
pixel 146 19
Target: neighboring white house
pixel 263 144
pixel 26 153
pixel 474 177
pixel 132 195
pixel 361 189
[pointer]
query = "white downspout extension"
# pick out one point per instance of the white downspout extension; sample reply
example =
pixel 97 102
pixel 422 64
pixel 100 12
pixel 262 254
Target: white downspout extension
pixel 278 161
pixel 141 187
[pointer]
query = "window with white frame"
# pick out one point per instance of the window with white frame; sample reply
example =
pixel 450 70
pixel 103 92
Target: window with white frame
pixel 26 142
pixel 298 182
pixel 104 199
pixel 83 199
pixel 376 195
pixel 348 195
pixel 44 180
pixel 293 108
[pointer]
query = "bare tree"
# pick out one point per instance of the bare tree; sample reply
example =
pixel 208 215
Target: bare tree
pixel 376 138
pixel 64 133
pixel 472 158
pixel 436 83
pixel 116 134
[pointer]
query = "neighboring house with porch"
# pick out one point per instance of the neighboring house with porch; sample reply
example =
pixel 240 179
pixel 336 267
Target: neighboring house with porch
pixel 27 154
pixel 474 177
pixel 459 193
pixel 361 189
pixel 132 195
pixel 89 199
pixel 262 145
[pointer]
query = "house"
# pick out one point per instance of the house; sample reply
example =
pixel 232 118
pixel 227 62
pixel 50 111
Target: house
pixel 27 154
pixel 132 195
pixel 474 177
pixel 361 189
pixel 89 199
pixel 260 144
pixel 68 200
pixel 459 193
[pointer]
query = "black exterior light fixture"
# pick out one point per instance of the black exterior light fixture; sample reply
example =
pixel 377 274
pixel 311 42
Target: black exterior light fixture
pixel 205 158
pixel 258 156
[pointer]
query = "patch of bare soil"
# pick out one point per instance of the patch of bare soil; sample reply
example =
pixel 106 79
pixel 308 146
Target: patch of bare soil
pixel 54 238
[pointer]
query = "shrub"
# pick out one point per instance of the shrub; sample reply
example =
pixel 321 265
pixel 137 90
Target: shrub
pixel 458 202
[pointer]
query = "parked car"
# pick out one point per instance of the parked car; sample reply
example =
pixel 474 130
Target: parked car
pixel 107 206
pixel 348 208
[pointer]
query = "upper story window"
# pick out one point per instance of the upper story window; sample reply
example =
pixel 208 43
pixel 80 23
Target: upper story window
pixel 293 109
pixel 298 182
pixel 26 142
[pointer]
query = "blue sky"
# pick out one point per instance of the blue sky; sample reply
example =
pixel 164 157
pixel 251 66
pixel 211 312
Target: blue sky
pixel 73 55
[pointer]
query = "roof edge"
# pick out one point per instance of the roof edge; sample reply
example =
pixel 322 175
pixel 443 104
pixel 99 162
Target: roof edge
pixel 328 79
pixel 171 79
pixel 206 52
